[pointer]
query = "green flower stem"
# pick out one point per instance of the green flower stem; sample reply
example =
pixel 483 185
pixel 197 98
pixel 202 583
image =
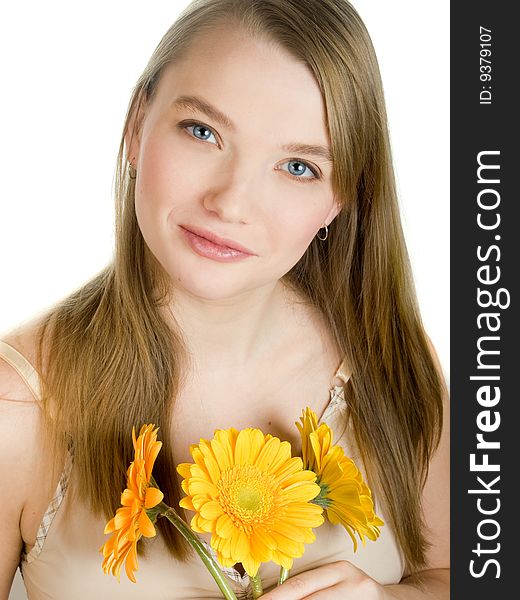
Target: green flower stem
pixel 284 574
pixel 256 586
pixel 201 550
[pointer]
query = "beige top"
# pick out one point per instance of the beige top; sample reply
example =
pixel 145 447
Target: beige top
pixel 65 561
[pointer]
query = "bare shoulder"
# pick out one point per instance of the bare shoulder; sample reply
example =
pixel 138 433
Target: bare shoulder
pixel 19 451
pixel 19 409
pixel 15 393
pixel 19 424
pixel 24 338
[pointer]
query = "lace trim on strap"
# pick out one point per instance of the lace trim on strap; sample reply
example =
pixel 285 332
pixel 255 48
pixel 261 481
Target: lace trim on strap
pixel 337 399
pixel 245 591
pixel 52 509
pixel 335 415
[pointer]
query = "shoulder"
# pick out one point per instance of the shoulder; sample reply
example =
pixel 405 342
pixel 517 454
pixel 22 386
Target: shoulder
pixel 24 338
pixel 15 392
pixel 20 423
pixel 20 449
pixel 19 409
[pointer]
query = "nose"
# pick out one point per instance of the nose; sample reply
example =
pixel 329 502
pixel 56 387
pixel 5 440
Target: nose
pixel 230 196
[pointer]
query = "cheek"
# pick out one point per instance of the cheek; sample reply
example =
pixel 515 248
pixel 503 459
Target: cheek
pixel 165 177
pixel 161 170
pixel 290 233
pixel 295 229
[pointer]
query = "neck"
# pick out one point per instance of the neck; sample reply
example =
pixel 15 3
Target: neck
pixel 231 332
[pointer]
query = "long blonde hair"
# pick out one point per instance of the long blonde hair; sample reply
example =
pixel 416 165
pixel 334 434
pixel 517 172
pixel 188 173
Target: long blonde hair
pixel 108 360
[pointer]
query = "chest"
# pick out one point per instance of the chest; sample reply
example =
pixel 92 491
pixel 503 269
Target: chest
pixel 271 401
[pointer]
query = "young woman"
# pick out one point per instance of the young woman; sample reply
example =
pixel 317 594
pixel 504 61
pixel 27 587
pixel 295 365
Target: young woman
pixel 259 268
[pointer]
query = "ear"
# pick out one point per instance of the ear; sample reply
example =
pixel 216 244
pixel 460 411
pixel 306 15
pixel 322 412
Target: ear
pixel 133 133
pixel 333 213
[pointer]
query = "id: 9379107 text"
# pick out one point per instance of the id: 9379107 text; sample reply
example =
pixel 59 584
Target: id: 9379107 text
pixel 485 65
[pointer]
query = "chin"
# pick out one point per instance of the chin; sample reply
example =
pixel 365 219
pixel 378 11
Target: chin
pixel 209 288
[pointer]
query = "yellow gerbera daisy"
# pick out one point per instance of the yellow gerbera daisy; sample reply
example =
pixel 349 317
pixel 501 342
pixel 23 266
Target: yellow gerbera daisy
pixel 344 495
pixel 252 496
pixel 131 522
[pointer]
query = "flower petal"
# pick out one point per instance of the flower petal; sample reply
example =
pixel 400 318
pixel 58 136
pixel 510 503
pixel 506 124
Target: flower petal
pixel 299 492
pixel 268 455
pixel 224 526
pixel 222 454
pixel 239 546
pixel 251 566
pixel 211 510
pixel 131 564
pixel 186 503
pixel 183 470
pixel 243 447
pixel 146 527
pixel 198 485
pixel 153 497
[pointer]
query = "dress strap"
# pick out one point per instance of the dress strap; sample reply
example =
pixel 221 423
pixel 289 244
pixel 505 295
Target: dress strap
pixel 29 374
pixel 24 368
pixel 343 372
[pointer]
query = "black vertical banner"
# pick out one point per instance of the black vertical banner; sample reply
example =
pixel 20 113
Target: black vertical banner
pixel 485 269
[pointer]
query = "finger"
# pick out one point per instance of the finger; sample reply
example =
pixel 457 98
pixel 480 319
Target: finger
pixel 304 584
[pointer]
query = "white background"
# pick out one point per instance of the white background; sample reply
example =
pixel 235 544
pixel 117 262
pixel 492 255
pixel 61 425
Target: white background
pixel 67 71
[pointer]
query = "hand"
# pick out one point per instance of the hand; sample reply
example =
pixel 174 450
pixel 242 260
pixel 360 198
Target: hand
pixel 341 580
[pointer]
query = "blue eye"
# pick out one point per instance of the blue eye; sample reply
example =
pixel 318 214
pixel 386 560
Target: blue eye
pixel 202 129
pixel 302 167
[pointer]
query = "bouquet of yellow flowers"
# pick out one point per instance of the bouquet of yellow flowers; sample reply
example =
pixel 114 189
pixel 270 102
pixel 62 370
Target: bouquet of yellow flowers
pixel 259 503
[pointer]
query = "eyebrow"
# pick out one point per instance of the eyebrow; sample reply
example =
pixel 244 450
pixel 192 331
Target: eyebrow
pixel 196 103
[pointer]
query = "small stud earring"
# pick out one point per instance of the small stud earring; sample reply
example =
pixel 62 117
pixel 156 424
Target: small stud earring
pixel 326 233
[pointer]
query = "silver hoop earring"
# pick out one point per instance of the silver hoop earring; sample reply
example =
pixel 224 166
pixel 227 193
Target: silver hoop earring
pixel 326 233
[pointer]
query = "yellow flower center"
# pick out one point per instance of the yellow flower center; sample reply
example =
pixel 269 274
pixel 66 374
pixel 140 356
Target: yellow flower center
pixel 248 499
pixel 247 495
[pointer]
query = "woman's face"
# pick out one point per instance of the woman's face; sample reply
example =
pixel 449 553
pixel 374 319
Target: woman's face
pixel 230 171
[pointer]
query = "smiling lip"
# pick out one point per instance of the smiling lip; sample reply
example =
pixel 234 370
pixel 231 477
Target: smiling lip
pixel 212 246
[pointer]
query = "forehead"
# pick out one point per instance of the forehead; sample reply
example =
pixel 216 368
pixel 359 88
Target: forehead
pixel 256 83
